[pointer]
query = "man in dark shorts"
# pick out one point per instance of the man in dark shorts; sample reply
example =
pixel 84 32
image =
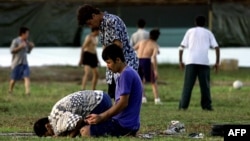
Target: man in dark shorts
pixel 68 114
pixel 19 48
pixel 147 51
pixel 89 58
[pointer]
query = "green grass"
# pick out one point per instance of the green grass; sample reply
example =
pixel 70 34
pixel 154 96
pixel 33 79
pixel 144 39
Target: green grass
pixel 18 112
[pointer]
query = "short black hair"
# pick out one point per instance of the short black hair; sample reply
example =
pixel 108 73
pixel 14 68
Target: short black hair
pixel 113 52
pixel 200 20
pixel 94 29
pixel 85 13
pixel 39 126
pixel 154 34
pixel 23 30
pixel 141 23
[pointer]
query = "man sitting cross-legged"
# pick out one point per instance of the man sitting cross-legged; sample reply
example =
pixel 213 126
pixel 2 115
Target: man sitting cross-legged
pixel 124 115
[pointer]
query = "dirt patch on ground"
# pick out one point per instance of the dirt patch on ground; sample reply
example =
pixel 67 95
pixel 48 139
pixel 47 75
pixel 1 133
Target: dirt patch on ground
pixel 52 73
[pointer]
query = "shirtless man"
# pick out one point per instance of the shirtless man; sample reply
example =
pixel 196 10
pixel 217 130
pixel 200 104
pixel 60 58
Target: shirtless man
pixel 89 59
pixel 147 51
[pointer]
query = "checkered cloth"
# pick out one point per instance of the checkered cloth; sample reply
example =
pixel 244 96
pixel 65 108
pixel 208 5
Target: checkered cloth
pixel 69 110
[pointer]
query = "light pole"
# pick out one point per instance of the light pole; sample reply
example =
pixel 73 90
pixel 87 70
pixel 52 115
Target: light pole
pixel 210 15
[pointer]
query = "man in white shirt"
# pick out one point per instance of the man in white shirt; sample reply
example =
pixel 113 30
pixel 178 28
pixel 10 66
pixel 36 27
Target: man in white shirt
pixel 140 34
pixel 197 41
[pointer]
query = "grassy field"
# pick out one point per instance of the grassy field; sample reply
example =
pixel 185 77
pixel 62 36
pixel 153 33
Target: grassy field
pixel 18 112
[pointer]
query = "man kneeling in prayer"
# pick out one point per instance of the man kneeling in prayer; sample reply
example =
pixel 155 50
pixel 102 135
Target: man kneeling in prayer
pixel 68 114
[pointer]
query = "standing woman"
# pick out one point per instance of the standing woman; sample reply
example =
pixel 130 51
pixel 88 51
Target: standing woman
pixel 112 31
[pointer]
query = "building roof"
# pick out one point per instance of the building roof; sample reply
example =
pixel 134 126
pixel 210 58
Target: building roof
pixel 141 2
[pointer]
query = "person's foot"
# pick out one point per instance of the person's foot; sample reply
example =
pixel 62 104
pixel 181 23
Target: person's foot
pixel 158 101
pixel 10 92
pixel 144 100
pixel 27 93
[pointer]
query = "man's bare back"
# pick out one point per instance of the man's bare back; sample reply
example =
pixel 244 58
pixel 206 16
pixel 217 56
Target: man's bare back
pixel 146 48
pixel 147 51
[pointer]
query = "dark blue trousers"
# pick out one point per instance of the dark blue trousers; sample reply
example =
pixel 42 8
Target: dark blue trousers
pixel 192 71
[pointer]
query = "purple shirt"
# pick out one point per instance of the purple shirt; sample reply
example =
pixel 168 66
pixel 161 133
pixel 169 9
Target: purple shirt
pixel 129 83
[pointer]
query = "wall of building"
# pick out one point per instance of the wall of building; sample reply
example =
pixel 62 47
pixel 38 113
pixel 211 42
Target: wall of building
pixel 53 23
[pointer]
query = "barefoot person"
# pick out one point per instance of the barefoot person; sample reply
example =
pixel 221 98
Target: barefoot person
pixel 19 48
pixel 68 114
pixel 89 59
pixel 147 51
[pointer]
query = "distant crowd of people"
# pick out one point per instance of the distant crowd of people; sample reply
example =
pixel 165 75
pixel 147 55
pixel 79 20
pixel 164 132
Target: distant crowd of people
pixel 131 63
